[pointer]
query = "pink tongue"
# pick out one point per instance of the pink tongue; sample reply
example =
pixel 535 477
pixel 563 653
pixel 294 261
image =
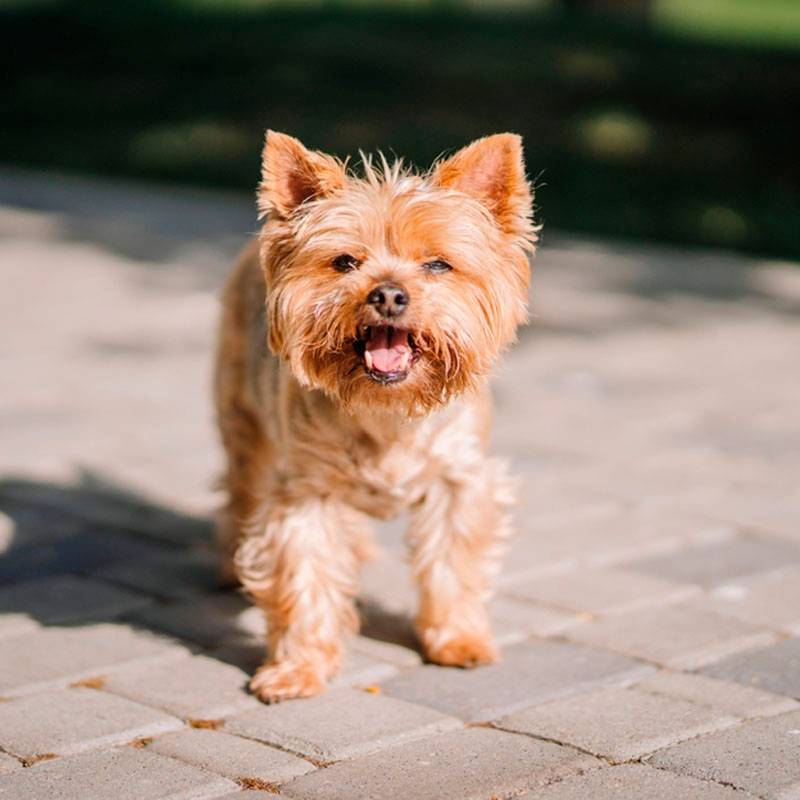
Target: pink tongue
pixel 387 351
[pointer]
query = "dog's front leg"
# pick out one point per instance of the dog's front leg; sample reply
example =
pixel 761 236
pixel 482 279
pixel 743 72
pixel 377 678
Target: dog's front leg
pixel 301 568
pixel 456 537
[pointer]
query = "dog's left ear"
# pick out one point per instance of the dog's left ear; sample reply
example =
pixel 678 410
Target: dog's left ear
pixel 492 171
pixel 292 174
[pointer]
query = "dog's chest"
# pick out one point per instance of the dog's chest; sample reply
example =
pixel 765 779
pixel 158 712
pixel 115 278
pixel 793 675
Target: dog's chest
pixel 379 466
pixel 383 484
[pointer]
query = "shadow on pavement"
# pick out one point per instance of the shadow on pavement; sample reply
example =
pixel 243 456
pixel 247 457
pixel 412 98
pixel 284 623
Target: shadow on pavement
pixel 95 536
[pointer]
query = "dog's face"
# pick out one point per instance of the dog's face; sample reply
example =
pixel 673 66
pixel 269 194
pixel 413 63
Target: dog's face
pixel 394 291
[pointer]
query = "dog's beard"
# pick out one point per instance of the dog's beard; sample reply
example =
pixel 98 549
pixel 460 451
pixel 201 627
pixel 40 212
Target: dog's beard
pixel 389 369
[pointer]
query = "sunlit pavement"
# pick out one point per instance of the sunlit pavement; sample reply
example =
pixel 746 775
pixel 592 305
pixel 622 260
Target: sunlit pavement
pixel 649 608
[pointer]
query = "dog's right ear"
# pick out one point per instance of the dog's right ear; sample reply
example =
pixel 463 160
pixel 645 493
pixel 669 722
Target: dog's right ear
pixel 291 175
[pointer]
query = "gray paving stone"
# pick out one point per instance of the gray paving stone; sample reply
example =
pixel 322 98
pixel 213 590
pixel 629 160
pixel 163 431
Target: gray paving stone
pixel 746 499
pixel 54 657
pixel 772 599
pixel 774 510
pixel 194 687
pixel 528 674
pixel 15 623
pixel 106 507
pixel 247 655
pixel 68 721
pixel 471 764
pixel 774 669
pixel 377 623
pixel 762 757
pixel 31 525
pixel 7 763
pixel 66 598
pixel 634 782
pixel 718 563
pixel 601 591
pixel 679 636
pixel 124 773
pixel 515 620
pixel 732 698
pixel 83 552
pixel 601 534
pixel 360 670
pixel 369 661
pixel 235 758
pixel 385 651
pixel 342 723
pixel 212 620
pixel 254 794
pixel 387 599
pixel 170 574
pixel 386 582
pixel 618 724
pixel 559 541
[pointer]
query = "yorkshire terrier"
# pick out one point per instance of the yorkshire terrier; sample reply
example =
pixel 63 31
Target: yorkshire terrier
pixel 357 337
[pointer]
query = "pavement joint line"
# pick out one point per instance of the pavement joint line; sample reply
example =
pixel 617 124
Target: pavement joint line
pixel 726 784
pixel 590 616
pixel 320 764
pixel 11 755
pixel 568 745
pixel 608 759
pixel 624 682
pixel 774 634
pixel 740 718
pixel 257 784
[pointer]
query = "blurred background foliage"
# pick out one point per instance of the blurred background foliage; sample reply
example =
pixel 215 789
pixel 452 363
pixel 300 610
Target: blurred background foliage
pixel 675 120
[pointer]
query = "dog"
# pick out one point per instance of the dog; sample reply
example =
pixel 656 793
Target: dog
pixel 358 332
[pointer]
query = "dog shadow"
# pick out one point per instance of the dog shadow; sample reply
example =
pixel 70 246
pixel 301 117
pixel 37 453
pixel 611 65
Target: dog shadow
pixel 94 539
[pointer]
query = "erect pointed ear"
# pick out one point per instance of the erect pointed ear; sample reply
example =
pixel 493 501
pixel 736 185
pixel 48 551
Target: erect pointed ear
pixel 291 174
pixel 492 171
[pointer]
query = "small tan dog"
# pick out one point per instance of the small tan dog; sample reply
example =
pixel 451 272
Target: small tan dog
pixel 384 300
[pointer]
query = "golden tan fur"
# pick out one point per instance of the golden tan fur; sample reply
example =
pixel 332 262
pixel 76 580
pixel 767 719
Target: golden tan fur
pixel 316 446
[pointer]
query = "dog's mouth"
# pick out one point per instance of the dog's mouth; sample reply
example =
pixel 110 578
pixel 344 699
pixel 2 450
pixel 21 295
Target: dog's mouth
pixel 388 352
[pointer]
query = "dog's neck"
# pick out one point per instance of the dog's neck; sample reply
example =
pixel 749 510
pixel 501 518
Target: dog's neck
pixel 382 426
pixel 378 429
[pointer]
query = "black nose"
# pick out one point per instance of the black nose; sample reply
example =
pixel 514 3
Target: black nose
pixel 388 299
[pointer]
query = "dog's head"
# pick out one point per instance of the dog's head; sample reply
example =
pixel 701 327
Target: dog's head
pixel 394 290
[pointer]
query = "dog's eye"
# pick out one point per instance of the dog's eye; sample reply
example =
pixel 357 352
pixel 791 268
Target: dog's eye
pixel 345 262
pixel 437 266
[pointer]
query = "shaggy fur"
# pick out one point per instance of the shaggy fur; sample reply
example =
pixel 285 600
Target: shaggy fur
pixel 323 428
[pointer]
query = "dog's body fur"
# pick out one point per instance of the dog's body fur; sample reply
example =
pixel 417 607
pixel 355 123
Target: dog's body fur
pixel 317 441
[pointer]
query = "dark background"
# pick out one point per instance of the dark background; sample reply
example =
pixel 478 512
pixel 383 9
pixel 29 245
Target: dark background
pixel 674 120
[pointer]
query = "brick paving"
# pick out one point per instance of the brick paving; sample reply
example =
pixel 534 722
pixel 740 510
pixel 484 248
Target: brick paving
pixel 648 609
pixel 72 720
pixel 234 757
pixel 618 724
pixel 761 757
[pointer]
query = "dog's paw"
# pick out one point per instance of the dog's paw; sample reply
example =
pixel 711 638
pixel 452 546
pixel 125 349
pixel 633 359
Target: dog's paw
pixel 285 681
pixel 461 650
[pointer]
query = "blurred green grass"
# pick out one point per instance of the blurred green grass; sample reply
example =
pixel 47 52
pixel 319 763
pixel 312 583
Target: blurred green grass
pixel 684 130
pixel 774 23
